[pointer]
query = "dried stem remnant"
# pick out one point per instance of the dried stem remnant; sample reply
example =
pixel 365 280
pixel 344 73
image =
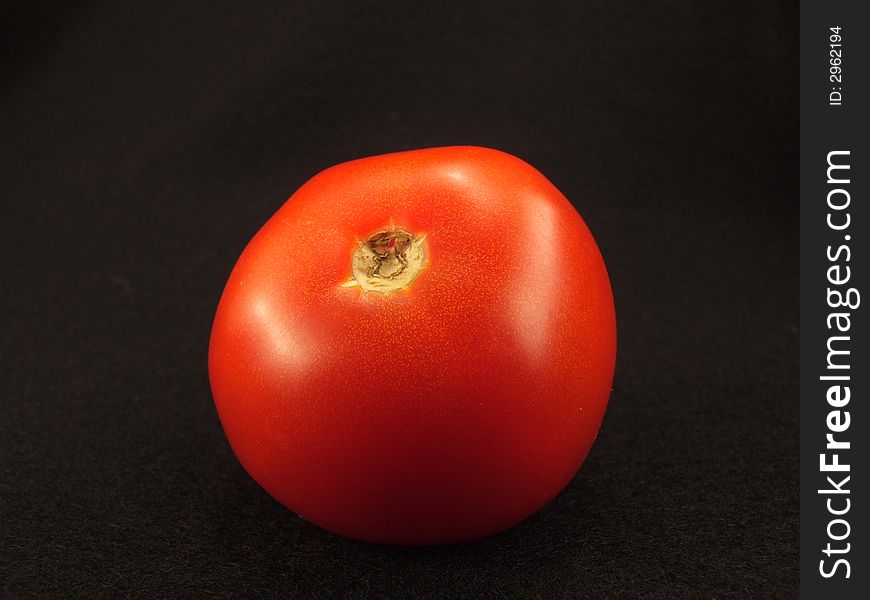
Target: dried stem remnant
pixel 388 260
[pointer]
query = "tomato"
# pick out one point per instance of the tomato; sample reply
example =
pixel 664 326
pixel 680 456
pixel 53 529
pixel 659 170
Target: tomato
pixel 417 348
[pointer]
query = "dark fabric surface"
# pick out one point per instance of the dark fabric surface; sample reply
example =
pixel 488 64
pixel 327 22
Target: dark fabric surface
pixel 143 145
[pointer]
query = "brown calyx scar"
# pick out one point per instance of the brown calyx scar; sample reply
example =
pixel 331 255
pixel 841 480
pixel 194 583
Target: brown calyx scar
pixel 387 260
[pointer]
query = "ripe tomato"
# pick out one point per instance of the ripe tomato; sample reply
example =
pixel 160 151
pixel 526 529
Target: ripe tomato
pixel 417 348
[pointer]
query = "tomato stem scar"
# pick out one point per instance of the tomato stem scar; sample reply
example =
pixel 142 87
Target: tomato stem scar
pixel 387 261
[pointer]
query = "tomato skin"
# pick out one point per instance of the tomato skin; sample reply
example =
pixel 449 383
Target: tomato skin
pixel 440 413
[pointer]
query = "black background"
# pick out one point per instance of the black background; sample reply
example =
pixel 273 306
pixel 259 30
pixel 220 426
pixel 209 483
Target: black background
pixel 143 145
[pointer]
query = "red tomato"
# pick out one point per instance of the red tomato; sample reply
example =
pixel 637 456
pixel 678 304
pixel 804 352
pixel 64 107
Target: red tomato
pixel 417 348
